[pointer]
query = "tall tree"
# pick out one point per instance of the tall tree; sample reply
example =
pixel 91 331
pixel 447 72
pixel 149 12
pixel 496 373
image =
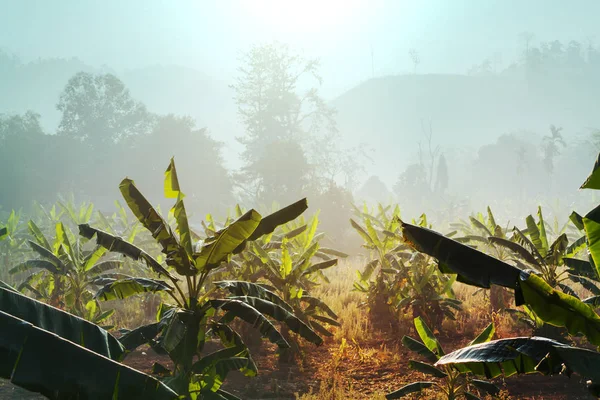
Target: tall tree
pixel 550 147
pixel 285 119
pixel 99 110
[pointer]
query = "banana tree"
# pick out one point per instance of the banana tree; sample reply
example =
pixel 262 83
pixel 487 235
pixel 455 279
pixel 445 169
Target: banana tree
pixel 452 382
pixel 481 270
pixel 61 356
pixel 292 263
pixel 66 274
pixel 12 240
pixel 196 313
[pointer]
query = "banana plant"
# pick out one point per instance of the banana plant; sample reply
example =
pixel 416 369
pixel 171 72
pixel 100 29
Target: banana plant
pixel 196 312
pixel 292 262
pixel 380 278
pixel 534 249
pixel 426 291
pixel 453 382
pixel 61 356
pixel 478 269
pixel 66 274
pixel 12 241
pixel 483 232
pixel 405 279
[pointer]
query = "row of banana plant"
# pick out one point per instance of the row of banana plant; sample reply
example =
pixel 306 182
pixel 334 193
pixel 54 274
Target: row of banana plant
pixel 202 279
pixel 535 269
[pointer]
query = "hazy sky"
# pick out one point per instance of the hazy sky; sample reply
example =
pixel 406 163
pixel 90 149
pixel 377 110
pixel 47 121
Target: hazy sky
pixel 451 35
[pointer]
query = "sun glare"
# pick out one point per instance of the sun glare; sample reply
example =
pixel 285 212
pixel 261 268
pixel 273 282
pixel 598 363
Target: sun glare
pixel 302 16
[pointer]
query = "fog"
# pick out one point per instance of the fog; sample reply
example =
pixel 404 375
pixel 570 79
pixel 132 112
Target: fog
pixel 444 107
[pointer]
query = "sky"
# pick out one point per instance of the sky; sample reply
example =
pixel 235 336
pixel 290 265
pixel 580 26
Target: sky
pixel 354 39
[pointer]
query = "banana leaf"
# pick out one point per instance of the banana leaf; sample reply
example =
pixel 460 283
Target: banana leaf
pixel 591 224
pixel 58 322
pixel 265 307
pixel 43 362
pixel 242 288
pixel 524 355
pixel 470 265
pixel 270 222
pixel 408 389
pixel 593 180
pixel 225 242
pixel 117 244
pixel 123 288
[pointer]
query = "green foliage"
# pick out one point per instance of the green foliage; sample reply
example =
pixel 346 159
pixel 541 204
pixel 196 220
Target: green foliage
pixel 183 327
pixel 476 268
pixel 455 382
pixel 290 261
pixel 523 356
pixel 54 353
pixel 66 272
pixel 404 279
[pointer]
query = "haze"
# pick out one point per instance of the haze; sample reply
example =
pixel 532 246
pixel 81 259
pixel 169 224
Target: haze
pixel 466 83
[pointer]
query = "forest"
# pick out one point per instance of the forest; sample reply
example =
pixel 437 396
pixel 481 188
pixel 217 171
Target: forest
pixel 419 235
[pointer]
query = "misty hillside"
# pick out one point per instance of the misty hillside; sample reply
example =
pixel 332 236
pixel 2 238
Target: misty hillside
pixel 463 111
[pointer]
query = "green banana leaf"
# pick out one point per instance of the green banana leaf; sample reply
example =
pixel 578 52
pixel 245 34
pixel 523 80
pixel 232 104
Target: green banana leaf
pixel 268 224
pixel 524 355
pixel 43 362
pixel 559 309
pixel 470 265
pixel 217 248
pixel 58 322
pixel 158 227
pixel 593 180
pixel 591 224
pixel 274 311
pixel 242 288
pixel 408 389
pixel 123 288
pixel 118 245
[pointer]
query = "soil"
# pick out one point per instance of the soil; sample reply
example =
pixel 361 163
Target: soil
pixel 378 366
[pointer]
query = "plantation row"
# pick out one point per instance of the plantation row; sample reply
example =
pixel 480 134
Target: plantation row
pixel 229 285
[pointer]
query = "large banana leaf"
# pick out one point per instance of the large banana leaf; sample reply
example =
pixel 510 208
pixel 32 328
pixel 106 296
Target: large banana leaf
pixel 560 309
pixel 217 248
pixel 593 180
pixel 118 245
pixel 172 190
pixel 242 288
pixel 242 304
pixel 471 266
pixel 158 227
pixel 270 222
pixel 123 288
pixel 525 355
pixel 591 224
pixel 63 324
pixel 43 362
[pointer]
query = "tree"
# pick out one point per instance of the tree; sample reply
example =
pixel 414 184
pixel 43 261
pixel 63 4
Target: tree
pixel 199 158
pixel 286 127
pixel 99 110
pixel 26 151
pixel 415 58
pixel 441 182
pixel 550 147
